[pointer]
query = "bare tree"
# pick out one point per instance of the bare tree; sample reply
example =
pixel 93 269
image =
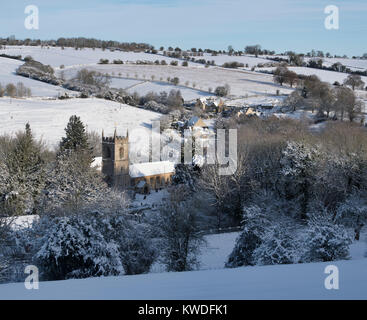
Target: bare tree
pixel 354 81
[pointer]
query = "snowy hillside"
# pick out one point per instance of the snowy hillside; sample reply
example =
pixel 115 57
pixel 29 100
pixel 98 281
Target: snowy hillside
pixel 48 118
pixel 241 82
pixel 303 281
pixel 40 89
pixel 55 56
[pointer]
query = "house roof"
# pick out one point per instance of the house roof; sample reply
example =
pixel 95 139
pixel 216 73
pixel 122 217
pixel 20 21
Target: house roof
pixel 139 170
pixel 196 122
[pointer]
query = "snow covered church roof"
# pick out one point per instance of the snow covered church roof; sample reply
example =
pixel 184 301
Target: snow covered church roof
pixel 147 169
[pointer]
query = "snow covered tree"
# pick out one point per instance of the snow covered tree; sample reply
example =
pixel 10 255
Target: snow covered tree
pixel 133 240
pixel 354 81
pixel 76 140
pixel 25 174
pixel 277 247
pixel 254 227
pixel 353 213
pixel 326 241
pixel 187 175
pixel 74 248
pixel 180 236
pixel 136 250
pixel 71 187
pixel 299 162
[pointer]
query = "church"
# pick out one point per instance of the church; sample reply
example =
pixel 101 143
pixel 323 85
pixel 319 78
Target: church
pixel 140 177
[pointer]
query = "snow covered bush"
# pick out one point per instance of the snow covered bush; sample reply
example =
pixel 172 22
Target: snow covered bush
pixel 353 213
pixel 254 227
pixel 277 247
pixel 74 248
pixel 325 241
pixel 136 250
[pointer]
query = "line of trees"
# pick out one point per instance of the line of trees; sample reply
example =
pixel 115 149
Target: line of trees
pixel 19 90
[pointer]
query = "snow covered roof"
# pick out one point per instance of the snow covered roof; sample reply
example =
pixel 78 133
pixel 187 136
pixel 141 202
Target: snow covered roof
pixel 147 169
pixel 97 163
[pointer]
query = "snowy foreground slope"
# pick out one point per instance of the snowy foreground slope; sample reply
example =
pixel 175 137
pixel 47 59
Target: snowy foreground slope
pixel 303 281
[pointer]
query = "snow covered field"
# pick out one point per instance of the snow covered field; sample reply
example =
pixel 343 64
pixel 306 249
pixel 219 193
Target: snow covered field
pixel 303 281
pixel 241 82
pixel 48 118
pixel 40 89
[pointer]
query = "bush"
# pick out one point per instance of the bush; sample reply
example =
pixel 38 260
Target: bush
pixel 28 58
pixel 277 247
pixel 233 65
pixel 325 242
pixel 104 61
pixel 74 248
pixel 174 63
pixel 222 91
pixel 185 64
pixel 175 81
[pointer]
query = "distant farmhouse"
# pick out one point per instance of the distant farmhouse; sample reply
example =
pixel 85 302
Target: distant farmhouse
pixel 210 105
pixel 141 177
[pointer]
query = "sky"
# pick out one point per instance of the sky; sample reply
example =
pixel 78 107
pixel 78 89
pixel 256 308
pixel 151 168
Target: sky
pixel 279 25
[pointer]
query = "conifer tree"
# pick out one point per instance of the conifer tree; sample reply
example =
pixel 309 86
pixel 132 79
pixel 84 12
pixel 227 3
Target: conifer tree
pixel 76 140
pixel 26 174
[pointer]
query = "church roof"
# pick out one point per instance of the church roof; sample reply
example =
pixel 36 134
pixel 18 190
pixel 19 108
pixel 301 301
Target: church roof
pixel 147 169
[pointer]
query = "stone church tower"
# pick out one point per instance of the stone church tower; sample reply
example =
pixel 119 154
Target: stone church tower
pixel 115 160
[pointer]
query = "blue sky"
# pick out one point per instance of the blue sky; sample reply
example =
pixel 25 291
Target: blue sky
pixel 274 24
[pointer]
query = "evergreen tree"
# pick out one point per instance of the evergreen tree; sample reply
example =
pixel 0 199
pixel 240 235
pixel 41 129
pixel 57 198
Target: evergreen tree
pixel 76 140
pixel 74 248
pixel 26 173
pixel 254 227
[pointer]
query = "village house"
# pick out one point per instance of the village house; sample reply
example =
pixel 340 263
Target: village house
pixel 210 105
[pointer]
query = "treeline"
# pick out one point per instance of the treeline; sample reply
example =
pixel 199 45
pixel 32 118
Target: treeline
pixel 79 43
pixel 15 91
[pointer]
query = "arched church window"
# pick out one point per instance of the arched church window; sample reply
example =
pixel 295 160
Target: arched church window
pixel 122 153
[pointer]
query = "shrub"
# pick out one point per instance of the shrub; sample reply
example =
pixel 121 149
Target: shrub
pixel 104 61
pixel 222 91
pixel 277 247
pixel 74 248
pixel 233 65
pixel 325 242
